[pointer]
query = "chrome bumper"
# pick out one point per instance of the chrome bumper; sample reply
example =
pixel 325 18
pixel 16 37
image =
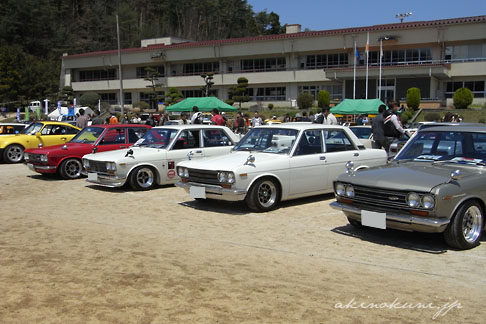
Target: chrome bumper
pixel 400 221
pixel 41 168
pixel 108 181
pixel 215 192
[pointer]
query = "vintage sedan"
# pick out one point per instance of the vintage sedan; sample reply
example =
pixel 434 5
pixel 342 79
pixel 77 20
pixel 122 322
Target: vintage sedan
pixel 44 133
pixel 278 162
pixel 153 159
pixel 65 159
pixel 434 184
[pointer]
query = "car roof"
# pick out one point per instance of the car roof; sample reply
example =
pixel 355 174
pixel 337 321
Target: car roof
pixel 180 126
pixel 119 125
pixel 434 124
pixel 475 128
pixel 301 125
pixel 13 124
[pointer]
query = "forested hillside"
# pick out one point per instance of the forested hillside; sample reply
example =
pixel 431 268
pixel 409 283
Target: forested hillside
pixel 35 33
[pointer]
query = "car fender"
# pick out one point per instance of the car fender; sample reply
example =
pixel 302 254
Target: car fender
pixel 271 175
pixel 467 198
pixel 146 164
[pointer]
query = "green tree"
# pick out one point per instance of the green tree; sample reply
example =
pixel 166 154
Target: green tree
pixel 239 93
pixel 208 83
pixel 67 94
pixel 268 23
pixel 173 96
pixel 463 97
pixel 89 99
pixel 153 76
pixel 323 98
pixel 413 98
pixel 11 62
pixel 305 100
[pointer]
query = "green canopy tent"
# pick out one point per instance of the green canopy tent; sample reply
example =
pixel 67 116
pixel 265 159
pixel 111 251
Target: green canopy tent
pixel 357 107
pixel 204 104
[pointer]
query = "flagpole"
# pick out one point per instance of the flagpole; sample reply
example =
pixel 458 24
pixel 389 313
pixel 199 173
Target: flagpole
pixel 367 55
pixel 381 56
pixel 354 74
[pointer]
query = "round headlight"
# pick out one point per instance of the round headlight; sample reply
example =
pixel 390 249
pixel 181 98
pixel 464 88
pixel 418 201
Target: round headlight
pixel 231 177
pixel 350 191
pixel 428 201
pixel 222 176
pixel 86 163
pixel 43 158
pixel 186 173
pixel 108 166
pixel 340 189
pixel 413 200
pixel 180 172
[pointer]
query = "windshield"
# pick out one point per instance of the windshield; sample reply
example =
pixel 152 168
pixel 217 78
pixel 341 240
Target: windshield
pixel 361 132
pixel 32 129
pixel 88 135
pixel 455 147
pixel 270 140
pixel 157 137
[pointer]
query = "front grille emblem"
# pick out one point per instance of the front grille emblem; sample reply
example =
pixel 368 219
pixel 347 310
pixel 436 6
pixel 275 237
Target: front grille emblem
pixel 394 198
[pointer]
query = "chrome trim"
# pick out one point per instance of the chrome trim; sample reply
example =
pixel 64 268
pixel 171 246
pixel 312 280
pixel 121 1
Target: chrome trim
pixel 214 191
pixel 109 181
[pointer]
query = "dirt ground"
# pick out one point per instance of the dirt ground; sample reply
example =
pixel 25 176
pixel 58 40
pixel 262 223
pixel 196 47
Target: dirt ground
pixel 72 252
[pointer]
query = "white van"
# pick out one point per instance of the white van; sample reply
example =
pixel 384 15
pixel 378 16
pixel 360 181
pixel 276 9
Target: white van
pixel 33 105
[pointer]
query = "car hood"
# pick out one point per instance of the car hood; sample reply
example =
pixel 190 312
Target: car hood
pixel 412 176
pixel 58 149
pixel 144 154
pixel 235 160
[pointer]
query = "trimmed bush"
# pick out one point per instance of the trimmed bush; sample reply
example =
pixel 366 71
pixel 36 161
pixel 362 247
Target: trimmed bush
pixel 305 100
pixel 270 106
pixel 142 105
pixel 433 116
pixel 323 98
pixel 89 99
pixel 406 115
pixel 413 98
pixel 463 97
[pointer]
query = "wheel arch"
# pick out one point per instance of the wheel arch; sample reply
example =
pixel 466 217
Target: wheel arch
pixel 468 199
pixel 149 165
pixel 268 176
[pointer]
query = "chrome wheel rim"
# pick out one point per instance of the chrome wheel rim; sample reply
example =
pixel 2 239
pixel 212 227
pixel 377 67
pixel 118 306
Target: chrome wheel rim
pixel 73 168
pixel 472 223
pixel 267 194
pixel 14 153
pixel 145 177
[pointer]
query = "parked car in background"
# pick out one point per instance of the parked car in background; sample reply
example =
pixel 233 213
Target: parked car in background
pixel 11 128
pixel 45 133
pixel 65 159
pixel 364 134
pixel 153 159
pixel 434 184
pixel 278 162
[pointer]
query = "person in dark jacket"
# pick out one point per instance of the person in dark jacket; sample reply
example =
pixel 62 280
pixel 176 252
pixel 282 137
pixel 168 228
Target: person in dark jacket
pixel 378 130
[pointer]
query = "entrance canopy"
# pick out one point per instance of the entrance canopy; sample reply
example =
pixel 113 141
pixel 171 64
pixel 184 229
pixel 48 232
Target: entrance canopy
pixel 204 104
pixel 357 107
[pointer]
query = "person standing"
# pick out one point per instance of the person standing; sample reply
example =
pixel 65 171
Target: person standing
pixel 378 130
pixel 150 120
pixel 256 120
pixel 217 119
pixel 329 119
pixel 196 117
pixel 113 119
pixel 82 120
pixel 184 119
pixel 393 127
pixel 239 124
pixel 97 120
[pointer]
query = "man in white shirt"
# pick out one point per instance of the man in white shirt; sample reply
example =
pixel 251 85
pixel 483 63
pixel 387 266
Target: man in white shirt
pixel 256 120
pixel 329 119
pixel 391 117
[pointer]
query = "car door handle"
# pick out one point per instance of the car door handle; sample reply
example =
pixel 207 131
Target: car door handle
pixel 356 154
pixel 322 157
pixel 63 138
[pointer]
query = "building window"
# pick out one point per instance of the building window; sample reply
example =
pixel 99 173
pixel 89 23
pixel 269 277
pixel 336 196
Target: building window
pixel 97 75
pixel 143 73
pixel 335 90
pixel 399 57
pixel 128 98
pixel 477 88
pixel 472 52
pixel 199 68
pixel 108 97
pixel 263 64
pixel 267 94
pixel 192 93
pixel 325 60
pixel 147 96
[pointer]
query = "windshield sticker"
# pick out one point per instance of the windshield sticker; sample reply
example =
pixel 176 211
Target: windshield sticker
pixel 467 160
pixel 429 157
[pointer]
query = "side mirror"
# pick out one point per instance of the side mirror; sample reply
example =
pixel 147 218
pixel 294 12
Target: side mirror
pixel 456 175
pixel 38 134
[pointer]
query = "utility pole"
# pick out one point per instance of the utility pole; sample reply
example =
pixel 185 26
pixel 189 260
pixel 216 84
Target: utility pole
pixel 122 98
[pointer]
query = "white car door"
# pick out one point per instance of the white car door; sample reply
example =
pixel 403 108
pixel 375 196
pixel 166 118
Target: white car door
pixel 216 142
pixel 187 143
pixel 308 165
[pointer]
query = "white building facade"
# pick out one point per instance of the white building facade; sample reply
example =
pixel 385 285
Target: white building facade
pixel 437 57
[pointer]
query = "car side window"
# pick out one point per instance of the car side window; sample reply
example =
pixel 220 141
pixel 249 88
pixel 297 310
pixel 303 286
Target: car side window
pixel 134 134
pixel 70 130
pixel 215 137
pixel 337 141
pixel 187 140
pixel 310 143
pixel 114 136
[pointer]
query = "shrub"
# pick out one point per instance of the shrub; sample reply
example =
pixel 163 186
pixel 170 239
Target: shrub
pixel 433 116
pixel 463 97
pixel 89 99
pixel 142 105
pixel 413 98
pixel 305 100
pixel 406 115
pixel 230 102
pixel 270 106
pixel 323 98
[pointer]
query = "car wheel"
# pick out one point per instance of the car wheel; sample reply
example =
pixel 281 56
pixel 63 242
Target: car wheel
pixel 355 223
pixel 13 153
pixel 142 178
pixel 464 230
pixel 263 195
pixel 71 169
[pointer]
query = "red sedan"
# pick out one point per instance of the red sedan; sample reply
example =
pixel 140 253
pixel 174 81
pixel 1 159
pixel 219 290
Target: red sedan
pixel 65 159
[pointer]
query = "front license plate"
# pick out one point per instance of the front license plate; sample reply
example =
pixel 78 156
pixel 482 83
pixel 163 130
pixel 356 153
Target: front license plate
pixel 197 192
pixel 373 219
pixel 92 176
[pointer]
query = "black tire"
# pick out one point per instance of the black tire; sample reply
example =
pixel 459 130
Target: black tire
pixel 13 153
pixel 71 169
pixel 464 230
pixel 263 195
pixel 142 178
pixel 355 223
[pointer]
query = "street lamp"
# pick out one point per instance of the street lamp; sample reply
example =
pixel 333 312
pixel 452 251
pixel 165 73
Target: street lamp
pixel 403 15
pixel 381 39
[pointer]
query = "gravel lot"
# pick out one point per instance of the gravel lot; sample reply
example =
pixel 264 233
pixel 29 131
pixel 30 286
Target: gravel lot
pixel 71 252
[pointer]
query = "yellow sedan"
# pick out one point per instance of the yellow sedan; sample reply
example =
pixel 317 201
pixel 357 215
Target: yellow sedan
pixel 46 133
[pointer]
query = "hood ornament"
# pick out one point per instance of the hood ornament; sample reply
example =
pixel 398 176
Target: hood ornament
pixel 249 160
pixel 40 145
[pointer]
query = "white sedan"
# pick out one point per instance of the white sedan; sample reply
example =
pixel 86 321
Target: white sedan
pixel 278 162
pixel 152 160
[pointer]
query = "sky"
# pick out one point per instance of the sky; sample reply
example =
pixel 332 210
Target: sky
pixel 335 14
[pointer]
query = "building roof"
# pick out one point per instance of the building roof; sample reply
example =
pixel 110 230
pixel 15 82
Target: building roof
pixel 394 26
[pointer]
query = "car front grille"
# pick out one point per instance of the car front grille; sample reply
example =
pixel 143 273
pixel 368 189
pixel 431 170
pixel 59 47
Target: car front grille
pixel 35 158
pixel 97 166
pixel 203 176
